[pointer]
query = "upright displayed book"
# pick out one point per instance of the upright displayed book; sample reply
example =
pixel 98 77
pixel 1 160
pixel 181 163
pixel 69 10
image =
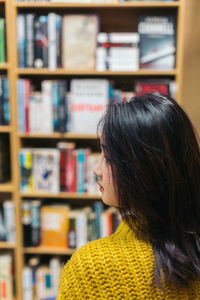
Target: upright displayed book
pixel 6 276
pixel 4 101
pixel 89 98
pixel 157 42
pixel 79 41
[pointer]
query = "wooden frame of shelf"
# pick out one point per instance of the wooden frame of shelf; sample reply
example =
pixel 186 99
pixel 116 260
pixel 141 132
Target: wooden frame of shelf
pixel 48 250
pixel 6 129
pixel 4 66
pixel 57 135
pixel 141 72
pixel 6 245
pixel 61 195
pixel 98 5
pixel 7 187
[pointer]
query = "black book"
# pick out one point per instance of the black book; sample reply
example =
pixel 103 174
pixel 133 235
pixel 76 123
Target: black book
pixel 62 109
pixel 4 158
pixel 157 42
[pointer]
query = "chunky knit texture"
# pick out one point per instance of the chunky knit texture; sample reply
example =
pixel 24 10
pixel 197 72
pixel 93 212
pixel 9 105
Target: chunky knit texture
pixel 117 267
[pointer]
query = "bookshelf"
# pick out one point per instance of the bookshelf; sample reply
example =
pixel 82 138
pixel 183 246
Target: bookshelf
pixel 128 12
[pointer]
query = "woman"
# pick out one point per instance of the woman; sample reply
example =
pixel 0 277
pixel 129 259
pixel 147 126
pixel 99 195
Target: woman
pixel 150 169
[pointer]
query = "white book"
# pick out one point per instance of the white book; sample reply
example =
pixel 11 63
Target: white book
pixel 55 270
pixel 81 229
pixel 104 225
pixel 46 106
pixel 88 101
pixel 6 277
pixel 9 220
pixel 46 170
pixel 52 53
pixel 40 282
pixel 92 185
pixel 124 59
pixel 27 283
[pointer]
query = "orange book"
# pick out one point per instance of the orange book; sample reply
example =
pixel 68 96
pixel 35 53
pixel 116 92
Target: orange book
pixel 54 226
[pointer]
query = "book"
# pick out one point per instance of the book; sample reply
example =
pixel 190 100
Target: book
pixel 4 101
pixel 6 277
pixel 46 170
pixel 5 172
pixel 2 41
pixel 21 40
pixel 88 100
pixel 161 86
pixel 79 41
pixel 29 21
pixel 54 226
pixel 9 220
pixel 157 42
pixel 117 51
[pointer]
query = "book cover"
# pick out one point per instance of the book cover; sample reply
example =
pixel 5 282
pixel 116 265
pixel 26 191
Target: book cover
pixel 157 42
pixel 46 170
pixel 88 100
pixel 5 172
pixel 26 223
pixel 79 34
pixel 54 226
pixel 152 86
pixel 6 102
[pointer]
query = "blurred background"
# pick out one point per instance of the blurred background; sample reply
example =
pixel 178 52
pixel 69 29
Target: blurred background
pixel 61 63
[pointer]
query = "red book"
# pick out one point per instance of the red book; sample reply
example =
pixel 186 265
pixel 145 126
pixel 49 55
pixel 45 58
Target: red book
pixel 152 86
pixel 27 92
pixel 70 168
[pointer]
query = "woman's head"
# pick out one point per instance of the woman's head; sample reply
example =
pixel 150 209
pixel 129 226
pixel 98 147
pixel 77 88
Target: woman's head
pixel 152 152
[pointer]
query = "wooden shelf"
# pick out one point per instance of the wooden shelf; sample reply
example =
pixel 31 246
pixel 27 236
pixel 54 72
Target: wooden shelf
pixel 4 66
pixel 2 1
pixel 98 5
pixel 48 250
pixel 6 187
pixel 58 136
pixel 6 245
pixel 5 129
pixel 146 72
pixel 61 195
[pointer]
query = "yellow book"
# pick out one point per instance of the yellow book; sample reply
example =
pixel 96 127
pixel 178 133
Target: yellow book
pixel 54 226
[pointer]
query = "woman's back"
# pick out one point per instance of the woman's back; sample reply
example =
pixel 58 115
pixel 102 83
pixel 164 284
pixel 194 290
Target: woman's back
pixel 118 267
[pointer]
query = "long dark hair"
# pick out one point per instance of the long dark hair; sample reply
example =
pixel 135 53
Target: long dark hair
pixel 154 155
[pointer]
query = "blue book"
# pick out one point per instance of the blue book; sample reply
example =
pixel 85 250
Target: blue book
pixel 58 40
pixel 21 40
pixel 21 109
pixel 22 171
pixel 98 210
pixel 80 171
pixel 55 106
pixel 6 103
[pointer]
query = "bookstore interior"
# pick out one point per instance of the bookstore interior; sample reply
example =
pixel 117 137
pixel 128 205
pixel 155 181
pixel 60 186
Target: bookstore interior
pixel 61 63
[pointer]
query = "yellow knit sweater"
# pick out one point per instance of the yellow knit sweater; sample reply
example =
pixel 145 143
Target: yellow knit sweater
pixel 116 267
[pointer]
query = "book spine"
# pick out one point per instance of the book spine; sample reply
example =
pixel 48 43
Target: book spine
pixel 56 106
pixel 26 223
pixel 9 219
pixel 35 222
pixel 62 170
pixel 62 110
pixel 30 40
pixel 81 230
pixel 6 103
pixel 52 64
pixel 21 110
pixel 98 210
pixel 44 39
pixel 55 272
pixel 27 283
pixel 47 106
pixel 38 59
pixel 58 40
pixel 2 40
pixel 27 91
pixel 21 40
pixel 80 171
pixel 70 169
pixel 6 288
pixel 1 101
